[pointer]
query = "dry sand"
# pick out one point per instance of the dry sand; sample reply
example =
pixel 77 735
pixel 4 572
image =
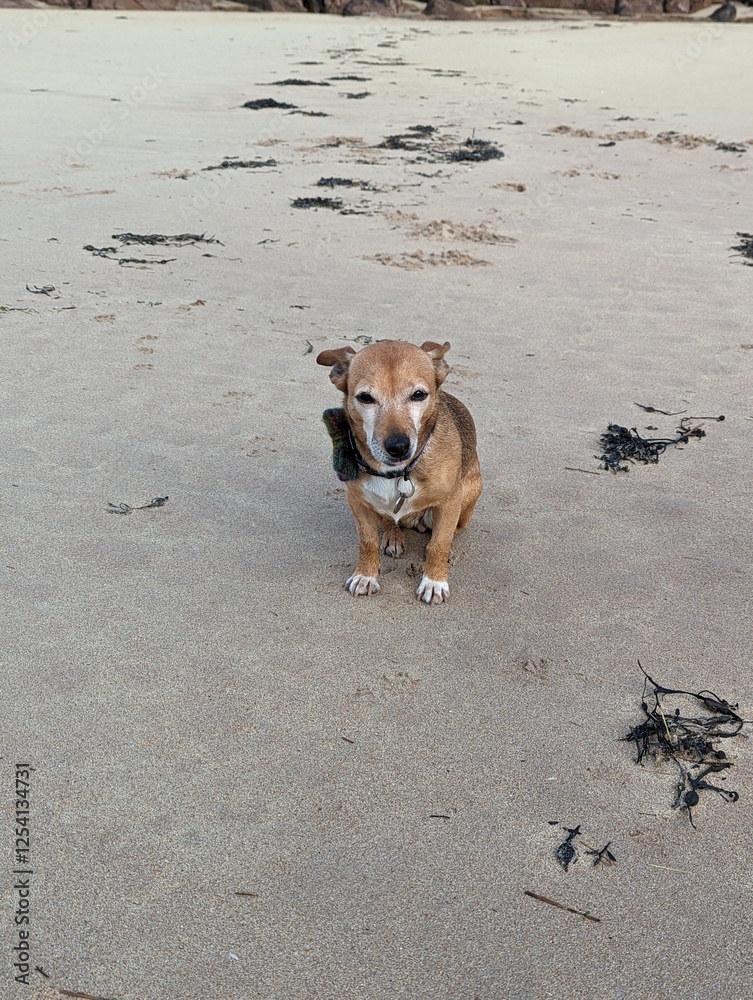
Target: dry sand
pixel 207 711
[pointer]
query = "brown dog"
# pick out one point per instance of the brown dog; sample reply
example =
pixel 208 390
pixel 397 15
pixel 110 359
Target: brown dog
pixel 411 452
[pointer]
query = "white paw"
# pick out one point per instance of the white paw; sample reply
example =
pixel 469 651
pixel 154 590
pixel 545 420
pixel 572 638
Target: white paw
pixel 362 586
pixel 433 591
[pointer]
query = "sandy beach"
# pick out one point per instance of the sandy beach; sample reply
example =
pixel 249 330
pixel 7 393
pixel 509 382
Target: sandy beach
pixel 238 781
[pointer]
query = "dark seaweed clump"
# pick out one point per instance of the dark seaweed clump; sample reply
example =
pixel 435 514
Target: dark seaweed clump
pixel 426 140
pixel 401 141
pixel 565 853
pixel 266 102
pixel 622 445
pixel 332 182
pixel 158 239
pixel 298 83
pixel 244 164
pixel 476 150
pixel 730 147
pixel 150 239
pixel 670 732
pixel 745 247
pixel 412 139
pixel 334 203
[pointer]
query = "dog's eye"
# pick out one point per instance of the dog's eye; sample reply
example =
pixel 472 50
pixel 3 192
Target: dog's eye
pixel 418 395
pixel 365 397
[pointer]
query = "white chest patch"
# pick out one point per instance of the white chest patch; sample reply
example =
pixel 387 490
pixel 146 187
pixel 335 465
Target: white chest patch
pixel 383 495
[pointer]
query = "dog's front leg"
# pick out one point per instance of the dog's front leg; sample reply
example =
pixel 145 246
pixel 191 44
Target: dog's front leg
pixel 364 578
pixel 434 588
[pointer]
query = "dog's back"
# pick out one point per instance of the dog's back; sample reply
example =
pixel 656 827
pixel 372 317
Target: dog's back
pixel 463 420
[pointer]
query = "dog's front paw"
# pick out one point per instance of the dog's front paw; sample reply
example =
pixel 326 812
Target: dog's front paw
pixel 362 586
pixel 433 591
pixel 393 541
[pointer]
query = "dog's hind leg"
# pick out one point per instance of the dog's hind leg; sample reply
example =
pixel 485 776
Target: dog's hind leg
pixel 470 492
pixel 393 540
pixel 421 523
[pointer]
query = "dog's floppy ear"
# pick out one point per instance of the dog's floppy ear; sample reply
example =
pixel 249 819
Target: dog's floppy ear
pixel 437 352
pixel 339 362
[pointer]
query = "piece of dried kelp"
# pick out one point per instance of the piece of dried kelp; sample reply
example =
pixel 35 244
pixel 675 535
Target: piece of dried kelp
pixel 674 730
pixel 157 239
pixel 436 149
pixel 566 852
pixel 241 164
pixel 100 251
pixel 124 508
pixel 602 855
pixel 332 182
pixel 334 203
pixel 401 141
pixel 144 260
pixel 298 83
pixel 476 150
pixel 745 247
pixel 622 445
pixel 261 103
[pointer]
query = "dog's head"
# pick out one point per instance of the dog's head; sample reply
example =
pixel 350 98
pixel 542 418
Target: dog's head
pixel 390 393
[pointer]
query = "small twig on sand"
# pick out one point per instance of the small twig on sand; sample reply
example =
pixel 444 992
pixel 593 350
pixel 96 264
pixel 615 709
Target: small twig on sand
pixel 562 906
pixel 81 996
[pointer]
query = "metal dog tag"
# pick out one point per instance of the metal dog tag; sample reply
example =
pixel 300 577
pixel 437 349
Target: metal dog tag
pixel 406 489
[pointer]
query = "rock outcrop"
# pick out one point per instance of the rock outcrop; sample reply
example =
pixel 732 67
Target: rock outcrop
pixel 371 8
pixel 443 10
pixel 448 10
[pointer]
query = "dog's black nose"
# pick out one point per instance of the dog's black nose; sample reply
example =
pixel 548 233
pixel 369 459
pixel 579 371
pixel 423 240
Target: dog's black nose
pixel 397 446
